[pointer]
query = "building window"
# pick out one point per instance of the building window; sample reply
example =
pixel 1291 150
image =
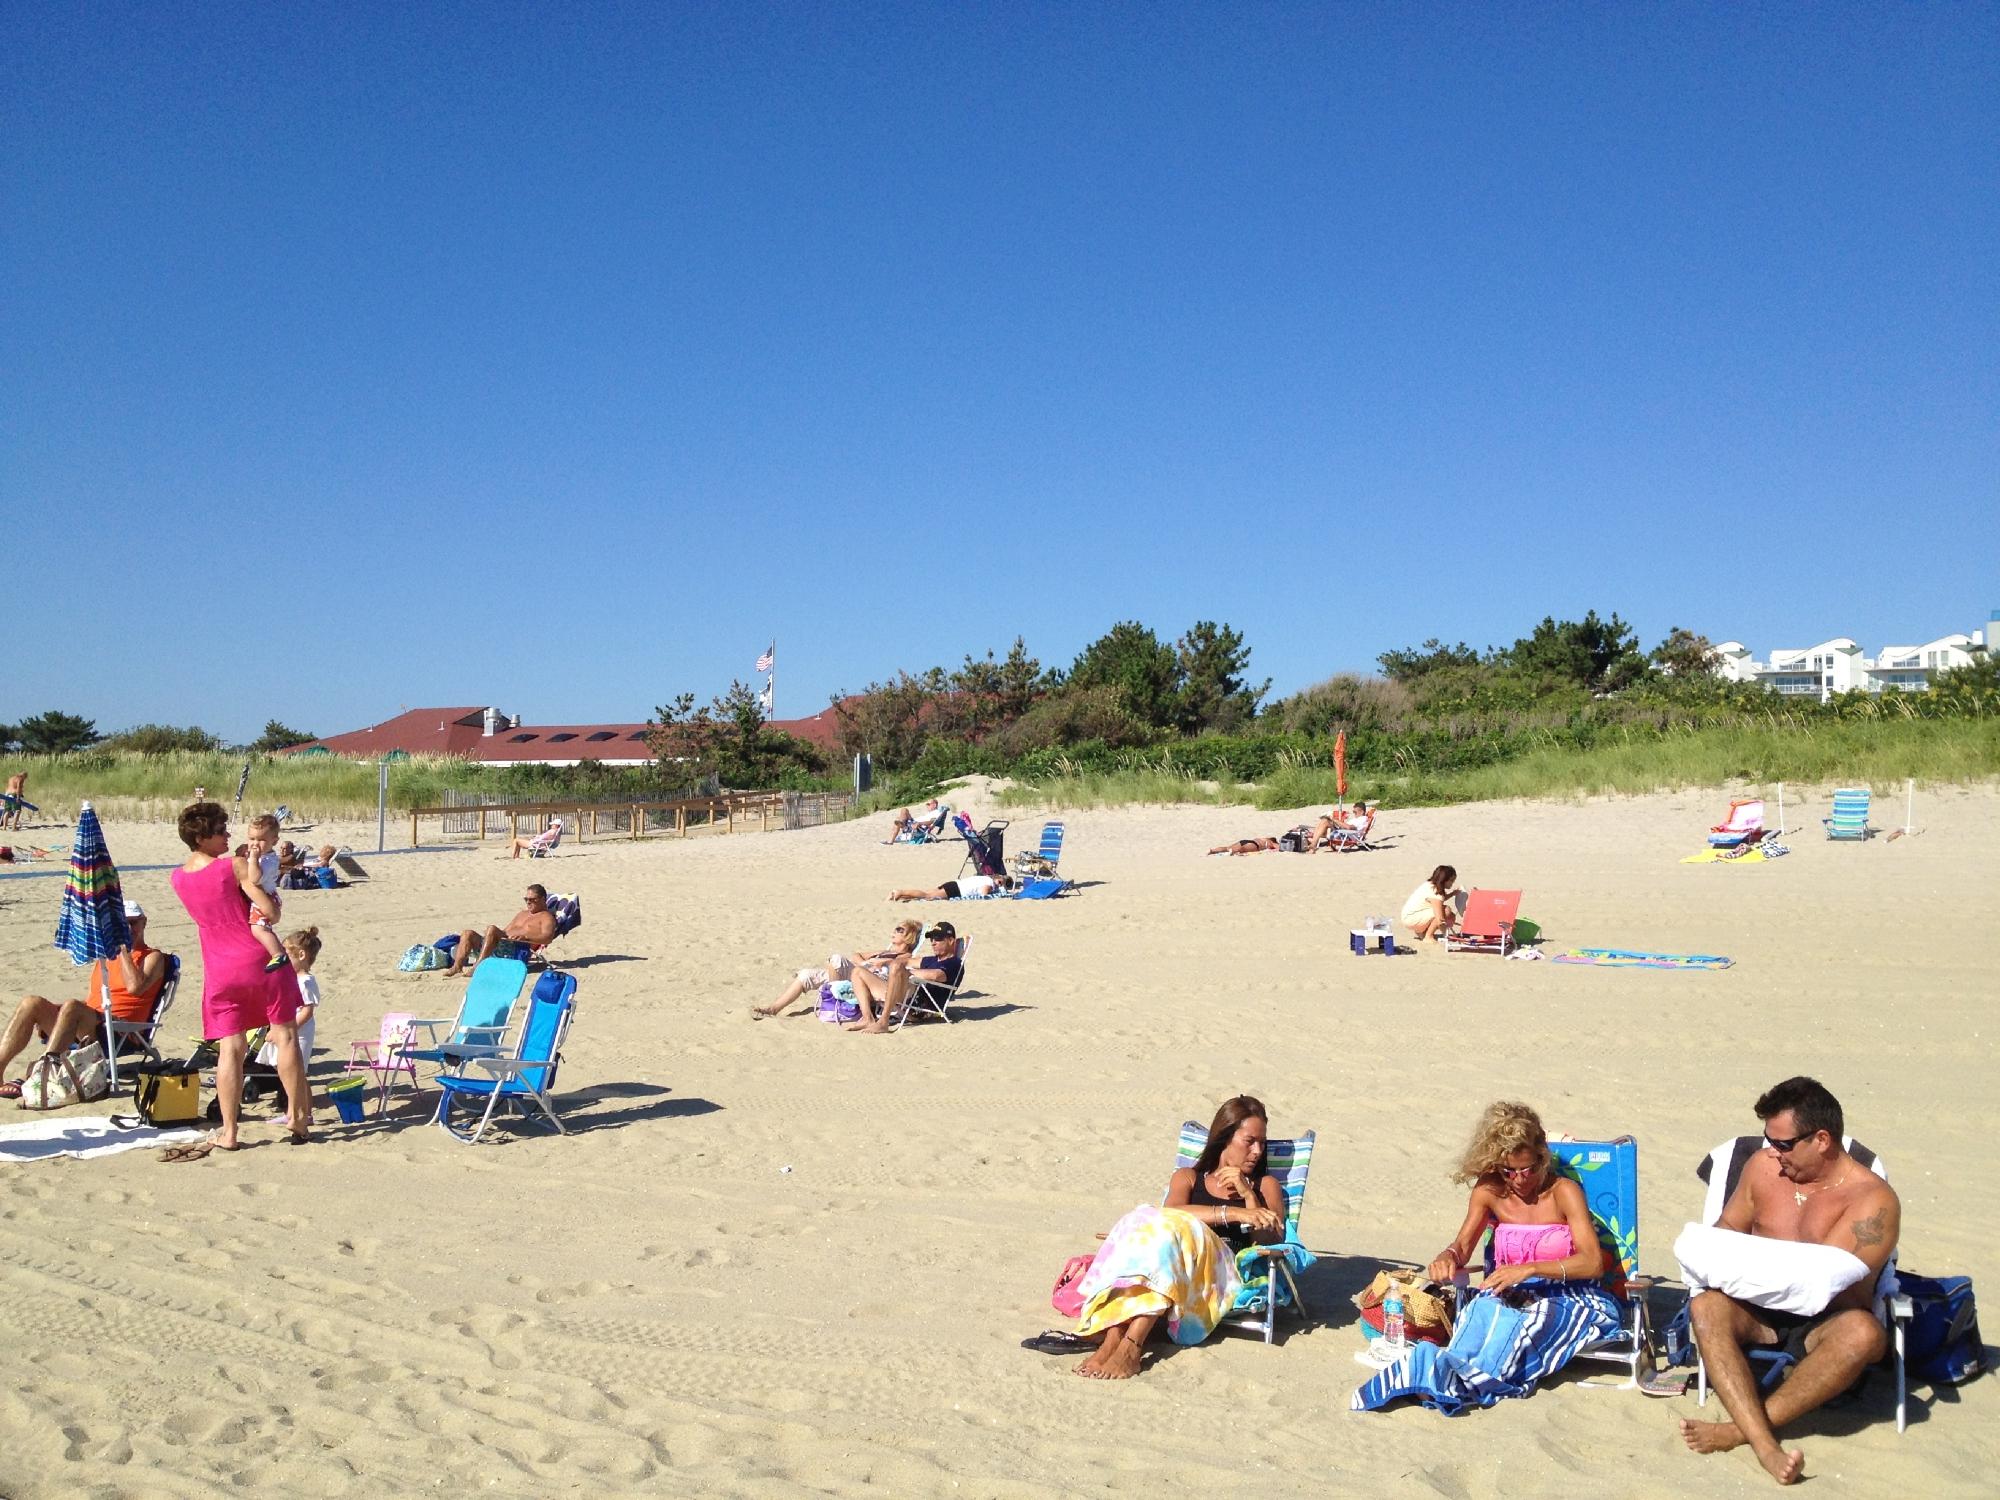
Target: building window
pixel 601 735
pixel 519 739
pixel 558 738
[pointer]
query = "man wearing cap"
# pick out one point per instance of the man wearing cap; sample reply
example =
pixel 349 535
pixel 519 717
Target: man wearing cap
pixel 939 966
pixel 135 975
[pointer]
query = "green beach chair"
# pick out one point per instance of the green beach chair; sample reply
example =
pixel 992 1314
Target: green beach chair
pixel 1850 814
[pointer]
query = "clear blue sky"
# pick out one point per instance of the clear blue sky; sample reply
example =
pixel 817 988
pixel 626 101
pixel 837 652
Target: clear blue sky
pixel 561 357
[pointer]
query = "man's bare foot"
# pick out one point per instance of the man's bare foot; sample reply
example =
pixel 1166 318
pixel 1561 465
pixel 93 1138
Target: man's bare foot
pixel 1710 1437
pixel 1783 1465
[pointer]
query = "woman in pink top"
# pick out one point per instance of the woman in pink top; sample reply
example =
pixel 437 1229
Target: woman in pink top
pixel 1541 1225
pixel 237 993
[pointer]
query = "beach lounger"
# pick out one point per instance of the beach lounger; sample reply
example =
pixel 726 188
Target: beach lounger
pixel 386 1056
pixel 1288 1161
pixel 1488 923
pixel 1745 821
pixel 483 1078
pixel 567 909
pixel 1721 1171
pixel 1045 857
pixel 127 1038
pixel 482 1014
pixel 1850 814
pixel 933 997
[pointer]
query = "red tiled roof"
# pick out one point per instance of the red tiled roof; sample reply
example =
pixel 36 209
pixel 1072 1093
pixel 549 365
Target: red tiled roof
pixel 461 732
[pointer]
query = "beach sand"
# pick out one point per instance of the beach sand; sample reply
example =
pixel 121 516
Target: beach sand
pixel 773 1258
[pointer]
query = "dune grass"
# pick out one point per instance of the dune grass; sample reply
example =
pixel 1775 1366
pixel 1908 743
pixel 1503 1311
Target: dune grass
pixel 1875 754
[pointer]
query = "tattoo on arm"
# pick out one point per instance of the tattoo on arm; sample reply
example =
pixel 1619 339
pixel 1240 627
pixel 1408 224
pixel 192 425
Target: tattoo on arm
pixel 1868 1231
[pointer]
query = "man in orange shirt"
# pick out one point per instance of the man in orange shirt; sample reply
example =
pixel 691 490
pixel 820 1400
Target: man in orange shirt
pixel 135 976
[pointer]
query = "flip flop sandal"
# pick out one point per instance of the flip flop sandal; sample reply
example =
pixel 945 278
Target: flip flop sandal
pixel 187 1151
pixel 1668 1382
pixel 1054 1341
pixel 10 1090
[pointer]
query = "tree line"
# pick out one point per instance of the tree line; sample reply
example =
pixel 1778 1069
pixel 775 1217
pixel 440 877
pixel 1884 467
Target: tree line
pixel 60 733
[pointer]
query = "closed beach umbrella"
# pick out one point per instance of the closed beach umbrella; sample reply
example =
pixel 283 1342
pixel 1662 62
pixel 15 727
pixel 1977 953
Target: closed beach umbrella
pixel 92 925
pixel 1340 767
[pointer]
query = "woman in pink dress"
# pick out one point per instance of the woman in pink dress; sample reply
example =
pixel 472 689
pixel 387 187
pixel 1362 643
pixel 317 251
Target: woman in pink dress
pixel 237 993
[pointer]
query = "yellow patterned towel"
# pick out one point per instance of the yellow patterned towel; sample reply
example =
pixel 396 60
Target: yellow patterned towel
pixel 1161 1261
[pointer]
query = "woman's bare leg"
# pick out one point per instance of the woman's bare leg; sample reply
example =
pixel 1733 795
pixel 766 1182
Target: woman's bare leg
pixel 1123 1350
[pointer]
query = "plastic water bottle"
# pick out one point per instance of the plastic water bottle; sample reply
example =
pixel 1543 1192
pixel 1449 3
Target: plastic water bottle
pixel 1392 1316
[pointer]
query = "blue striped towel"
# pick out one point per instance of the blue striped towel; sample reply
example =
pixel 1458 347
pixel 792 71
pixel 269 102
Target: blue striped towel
pixel 1497 1350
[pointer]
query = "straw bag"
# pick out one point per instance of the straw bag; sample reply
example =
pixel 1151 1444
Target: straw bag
pixel 1427 1306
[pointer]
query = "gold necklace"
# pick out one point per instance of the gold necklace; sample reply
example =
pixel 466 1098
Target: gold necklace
pixel 1799 1197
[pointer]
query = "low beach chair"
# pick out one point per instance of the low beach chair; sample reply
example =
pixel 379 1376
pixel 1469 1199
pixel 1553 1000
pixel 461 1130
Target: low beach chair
pixel 526 1075
pixel 1745 821
pixel 1045 857
pixel 1488 923
pixel 1288 1161
pixel 547 840
pixel 1721 1171
pixel 385 1057
pixel 1347 837
pixel 933 997
pixel 930 828
pixel 568 912
pixel 1850 814
pixel 482 1014
pixel 138 1039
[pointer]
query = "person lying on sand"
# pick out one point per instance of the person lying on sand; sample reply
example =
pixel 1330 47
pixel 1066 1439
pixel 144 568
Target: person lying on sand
pixel 902 943
pixel 968 888
pixel 888 991
pixel 1806 1188
pixel 530 927
pixel 1178 1261
pixel 1248 846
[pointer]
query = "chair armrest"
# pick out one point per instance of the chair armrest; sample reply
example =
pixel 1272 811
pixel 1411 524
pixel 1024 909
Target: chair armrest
pixel 1901 1309
pixel 467 1051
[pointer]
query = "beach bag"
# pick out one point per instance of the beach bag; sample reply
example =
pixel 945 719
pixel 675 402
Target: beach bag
pixel 167 1093
pixel 1943 1341
pixel 1067 1295
pixel 1296 841
pixel 419 958
pixel 837 1003
pixel 1427 1307
pixel 57 1081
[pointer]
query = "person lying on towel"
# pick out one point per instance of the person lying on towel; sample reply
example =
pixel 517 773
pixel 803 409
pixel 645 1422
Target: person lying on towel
pixel 967 888
pixel 1804 1188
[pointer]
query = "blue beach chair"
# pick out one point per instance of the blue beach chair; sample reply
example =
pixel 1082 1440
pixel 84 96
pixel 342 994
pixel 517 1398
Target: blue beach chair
pixel 1850 814
pixel 526 1075
pixel 1288 1161
pixel 1045 857
pixel 482 1015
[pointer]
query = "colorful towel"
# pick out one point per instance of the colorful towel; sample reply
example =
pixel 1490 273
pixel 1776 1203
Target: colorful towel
pixel 1625 958
pixel 1253 1266
pixel 1161 1261
pixel 1497 1349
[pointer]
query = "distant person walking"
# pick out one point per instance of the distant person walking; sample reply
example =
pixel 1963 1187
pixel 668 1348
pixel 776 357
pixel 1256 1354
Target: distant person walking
pixel 17 801
pixel 238 994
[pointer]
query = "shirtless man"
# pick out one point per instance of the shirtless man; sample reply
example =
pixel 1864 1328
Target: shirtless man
pixel 1804 1187
pixel 16 800
pixel 533 925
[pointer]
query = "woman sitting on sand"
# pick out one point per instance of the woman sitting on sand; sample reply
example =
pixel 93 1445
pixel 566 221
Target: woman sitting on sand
pixel 1178 1261
pixel 1430 911
pixel 1541 1225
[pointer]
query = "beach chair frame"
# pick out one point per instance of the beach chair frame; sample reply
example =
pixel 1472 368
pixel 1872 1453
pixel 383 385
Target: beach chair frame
pixel 118 1034
pixel 933 997
pixel 1731 1157
pixel 1348 840
pixel 482 1017
pixel 526 1076
pixel 1496 914
pixel 1044 859
pixel 1849 819
pixel 385 1056
pixel 1289 1160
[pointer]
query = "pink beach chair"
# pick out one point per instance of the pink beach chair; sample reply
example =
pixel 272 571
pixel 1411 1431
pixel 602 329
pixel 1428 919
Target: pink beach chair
pixel 386 1056
pixel 1745 824
pixel 1488 923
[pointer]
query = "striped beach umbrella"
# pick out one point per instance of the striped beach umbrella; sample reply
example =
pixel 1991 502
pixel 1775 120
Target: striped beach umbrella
pixel 92 925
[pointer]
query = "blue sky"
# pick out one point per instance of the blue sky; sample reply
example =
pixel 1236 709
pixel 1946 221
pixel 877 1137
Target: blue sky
pixel 562 357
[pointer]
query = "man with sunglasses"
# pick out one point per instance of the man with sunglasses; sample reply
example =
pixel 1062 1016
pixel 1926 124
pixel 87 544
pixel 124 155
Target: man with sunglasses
pixel 1803 1187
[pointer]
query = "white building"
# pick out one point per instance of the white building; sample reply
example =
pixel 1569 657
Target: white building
pixel 1837 666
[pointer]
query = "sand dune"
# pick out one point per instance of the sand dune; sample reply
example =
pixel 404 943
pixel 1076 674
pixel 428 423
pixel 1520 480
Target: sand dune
pixel 775 1259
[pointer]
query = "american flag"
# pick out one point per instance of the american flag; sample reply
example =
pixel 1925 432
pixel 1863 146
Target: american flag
pixel 765 661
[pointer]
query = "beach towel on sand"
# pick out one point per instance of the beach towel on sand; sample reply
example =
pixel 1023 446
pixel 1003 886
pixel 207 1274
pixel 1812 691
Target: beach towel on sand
pixel 1631 958
pixel 1497 1349
pixel 1163 1261
pixel 83 1135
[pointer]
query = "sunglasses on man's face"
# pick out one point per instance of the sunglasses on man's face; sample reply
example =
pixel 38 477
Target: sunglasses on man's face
pixel 1781 1144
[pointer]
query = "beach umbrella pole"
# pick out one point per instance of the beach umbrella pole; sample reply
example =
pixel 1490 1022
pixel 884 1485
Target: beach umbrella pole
pixel 1910 805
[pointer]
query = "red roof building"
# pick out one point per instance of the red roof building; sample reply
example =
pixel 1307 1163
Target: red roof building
pixel 487 735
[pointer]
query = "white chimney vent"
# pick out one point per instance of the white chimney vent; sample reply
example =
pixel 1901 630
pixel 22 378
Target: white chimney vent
pixel 492 722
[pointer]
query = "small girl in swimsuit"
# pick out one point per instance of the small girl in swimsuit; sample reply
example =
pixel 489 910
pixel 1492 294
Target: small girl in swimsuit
pixel 1541 1224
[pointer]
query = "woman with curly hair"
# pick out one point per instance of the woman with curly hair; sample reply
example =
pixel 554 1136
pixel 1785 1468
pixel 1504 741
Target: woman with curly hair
pixel 1541 1224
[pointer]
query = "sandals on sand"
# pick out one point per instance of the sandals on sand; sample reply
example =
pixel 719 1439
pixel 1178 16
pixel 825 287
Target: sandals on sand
pixel 1054 1341
pixel 10 1090
pixel 188 1151
pixel 1667 1382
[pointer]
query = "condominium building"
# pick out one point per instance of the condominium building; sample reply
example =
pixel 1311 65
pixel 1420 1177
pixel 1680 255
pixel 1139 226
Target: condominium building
pixel 1837 666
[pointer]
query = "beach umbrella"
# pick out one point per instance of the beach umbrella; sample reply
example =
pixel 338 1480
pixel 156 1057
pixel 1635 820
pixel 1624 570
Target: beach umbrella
pixel 92 925
pixel 1340 766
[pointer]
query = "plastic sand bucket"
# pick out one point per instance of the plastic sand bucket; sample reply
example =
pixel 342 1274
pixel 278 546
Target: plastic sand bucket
pixel 349 1097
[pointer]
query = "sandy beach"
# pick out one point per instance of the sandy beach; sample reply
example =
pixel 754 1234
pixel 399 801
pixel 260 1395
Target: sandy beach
pixel 773 1258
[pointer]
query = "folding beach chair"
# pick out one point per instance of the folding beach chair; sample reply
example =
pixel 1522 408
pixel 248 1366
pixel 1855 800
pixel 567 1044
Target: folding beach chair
pixel 1488 923
pixel 933 997
pixel 568 912
pixel 546 840
pixel 1288 1161
pixel 1348 837
pixel 127 1038
pixel 985 851
pixel 1043 859
pixel 386 1057
pixel 928 829
pixel 1745 822
pixel 524 1075
pixel 1721 1171
pixel 482 1014
pixel 1850 814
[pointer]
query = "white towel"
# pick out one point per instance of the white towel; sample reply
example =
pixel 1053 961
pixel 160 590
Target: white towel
pixel 83 1135
pixel 1782 1275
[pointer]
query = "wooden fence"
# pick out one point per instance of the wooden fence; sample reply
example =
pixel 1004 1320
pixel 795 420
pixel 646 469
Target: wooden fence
pixel 728 812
